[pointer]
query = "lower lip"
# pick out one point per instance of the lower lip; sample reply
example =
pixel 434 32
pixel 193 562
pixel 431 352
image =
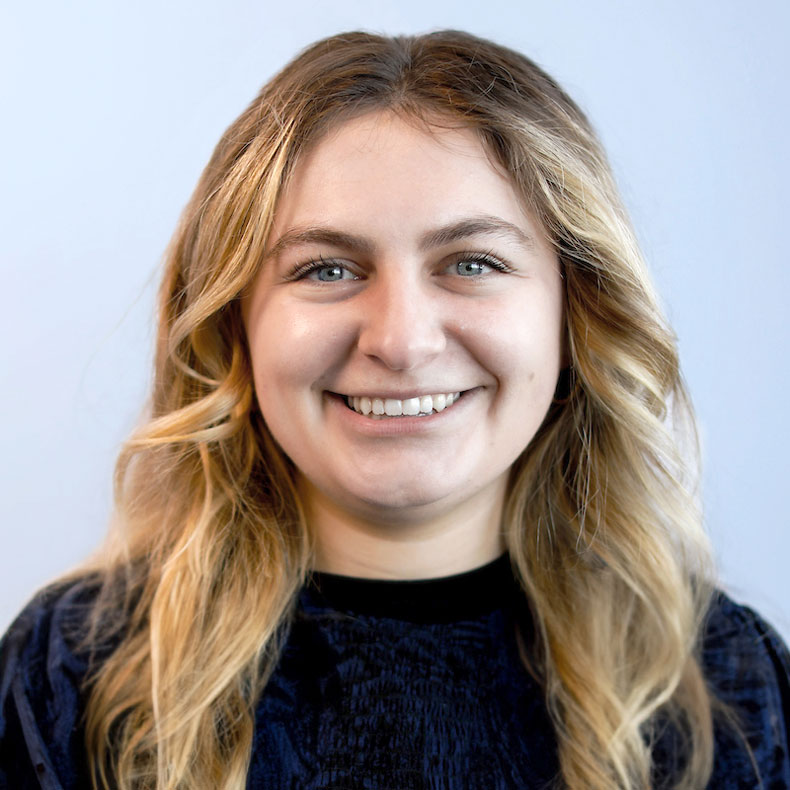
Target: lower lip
pixel 397 426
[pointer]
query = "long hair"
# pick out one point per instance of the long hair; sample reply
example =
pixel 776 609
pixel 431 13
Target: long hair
pixel 210 545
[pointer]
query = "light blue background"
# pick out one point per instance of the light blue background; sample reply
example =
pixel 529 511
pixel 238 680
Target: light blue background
pixel 110 111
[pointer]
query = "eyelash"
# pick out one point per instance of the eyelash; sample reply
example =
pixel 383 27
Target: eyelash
pixel 302 270
pixel 483 257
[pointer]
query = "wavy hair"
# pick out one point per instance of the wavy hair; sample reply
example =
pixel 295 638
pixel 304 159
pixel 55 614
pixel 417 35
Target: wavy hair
pixel 210 545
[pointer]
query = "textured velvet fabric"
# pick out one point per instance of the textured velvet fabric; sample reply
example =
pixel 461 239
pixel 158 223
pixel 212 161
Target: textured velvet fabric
pixel 392 685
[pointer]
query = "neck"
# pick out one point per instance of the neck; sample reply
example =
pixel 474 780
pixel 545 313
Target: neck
pixel 405 545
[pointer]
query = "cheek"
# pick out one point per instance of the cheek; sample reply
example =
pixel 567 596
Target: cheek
pixel 526 362
pixel 292 351
pixel 270 347
pixel 521 344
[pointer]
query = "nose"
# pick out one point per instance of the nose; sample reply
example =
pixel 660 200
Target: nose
pixel 402 322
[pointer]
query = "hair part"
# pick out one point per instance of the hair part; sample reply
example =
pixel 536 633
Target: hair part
pixel 211 545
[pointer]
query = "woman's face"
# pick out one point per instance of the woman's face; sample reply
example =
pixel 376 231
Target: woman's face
pixel 402 271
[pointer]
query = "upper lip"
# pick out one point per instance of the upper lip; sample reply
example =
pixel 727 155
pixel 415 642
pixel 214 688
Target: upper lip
pixel 418 392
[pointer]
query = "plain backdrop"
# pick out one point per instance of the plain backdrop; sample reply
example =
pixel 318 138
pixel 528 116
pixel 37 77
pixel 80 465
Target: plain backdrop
pixel 110 110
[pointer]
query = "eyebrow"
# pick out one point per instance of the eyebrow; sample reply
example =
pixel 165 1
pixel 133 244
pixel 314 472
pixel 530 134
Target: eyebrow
pixel 483 225
pixel 438 237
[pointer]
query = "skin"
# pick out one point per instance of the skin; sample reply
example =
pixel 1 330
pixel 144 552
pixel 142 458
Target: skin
pixel 397 310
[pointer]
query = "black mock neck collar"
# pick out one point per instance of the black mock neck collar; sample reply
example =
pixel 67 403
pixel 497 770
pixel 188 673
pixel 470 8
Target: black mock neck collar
pixel 446 599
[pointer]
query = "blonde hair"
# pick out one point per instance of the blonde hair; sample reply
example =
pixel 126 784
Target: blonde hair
pixel 211 547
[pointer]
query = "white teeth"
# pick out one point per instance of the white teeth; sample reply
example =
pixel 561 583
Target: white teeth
pixel 411 406
pixel 393 408
pixel 423 405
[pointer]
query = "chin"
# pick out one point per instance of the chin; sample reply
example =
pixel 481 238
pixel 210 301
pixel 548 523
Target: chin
pixel 404 505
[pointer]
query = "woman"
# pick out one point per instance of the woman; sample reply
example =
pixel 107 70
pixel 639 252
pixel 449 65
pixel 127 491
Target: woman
pixel 410 509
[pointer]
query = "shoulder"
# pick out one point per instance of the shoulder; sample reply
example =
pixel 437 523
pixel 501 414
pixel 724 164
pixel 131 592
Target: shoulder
pixel 739 646
pixel 747 666
pixel 42 669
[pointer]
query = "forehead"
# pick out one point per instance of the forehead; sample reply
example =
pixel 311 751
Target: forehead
pixel 382 128
pixel 384 164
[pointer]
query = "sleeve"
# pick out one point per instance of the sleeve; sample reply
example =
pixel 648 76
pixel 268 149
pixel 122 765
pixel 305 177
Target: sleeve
pixel 41 736
pixel 748 669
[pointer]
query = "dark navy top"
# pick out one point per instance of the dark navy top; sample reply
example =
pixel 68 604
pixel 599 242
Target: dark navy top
pixel 393 685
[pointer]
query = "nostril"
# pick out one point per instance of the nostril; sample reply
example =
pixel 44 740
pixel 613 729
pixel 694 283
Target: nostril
pixel 402 348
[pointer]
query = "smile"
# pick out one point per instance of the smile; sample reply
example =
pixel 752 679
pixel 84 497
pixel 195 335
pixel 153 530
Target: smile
pixel 418 406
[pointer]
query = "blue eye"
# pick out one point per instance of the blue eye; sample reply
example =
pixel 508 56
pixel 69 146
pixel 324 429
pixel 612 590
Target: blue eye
pixel 470 268
pixel 330 273
pixel 322 271
pixel 477 264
